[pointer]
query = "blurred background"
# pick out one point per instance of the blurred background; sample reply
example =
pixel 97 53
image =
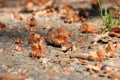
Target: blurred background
pixel 14 3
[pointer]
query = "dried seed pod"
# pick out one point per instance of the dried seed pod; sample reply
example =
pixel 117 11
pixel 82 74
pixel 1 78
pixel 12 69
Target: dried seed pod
pixel 58 37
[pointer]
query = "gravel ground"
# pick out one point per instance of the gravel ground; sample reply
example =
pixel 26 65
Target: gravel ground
pixel 21 66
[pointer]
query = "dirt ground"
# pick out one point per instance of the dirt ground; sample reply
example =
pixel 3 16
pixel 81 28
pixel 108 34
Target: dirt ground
pixel 57 65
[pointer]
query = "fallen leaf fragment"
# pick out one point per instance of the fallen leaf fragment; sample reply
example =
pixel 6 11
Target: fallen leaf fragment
pixel 17 16
pixel 87 28
pixel 37 46
pixel 58 37
pixel 2 26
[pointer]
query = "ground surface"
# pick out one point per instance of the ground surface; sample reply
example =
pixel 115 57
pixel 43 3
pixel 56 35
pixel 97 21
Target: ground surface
pixel 20 64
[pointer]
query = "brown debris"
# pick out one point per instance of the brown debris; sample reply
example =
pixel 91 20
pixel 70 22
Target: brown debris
pixel 74 47
pixel 58 37
pixel 101 53
pixel 17 16
pixel 113 75
pixel 118 3
pixel 80 56
pixel 66 46
pixel 47 26
pixel 67 69
pixel 66 60
pixel 71 34
pixel 71 18
pixel 31 24
pixel 38 49
pixel 104 73
pixel 28 7
pixel 18 41
pixel 69 14
pixel 49 71
pixel 115 31
pixel 98 65
pixel 83 13
pixel 83 62
pixel 1 3
pixel 81 41
pixel 18 48
pixel 87 28
pixel 44 3
pixel 93 56
pixel 49 11
pixel 2 26
pixel 92 69
pixel 94 4
pixel 110 49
